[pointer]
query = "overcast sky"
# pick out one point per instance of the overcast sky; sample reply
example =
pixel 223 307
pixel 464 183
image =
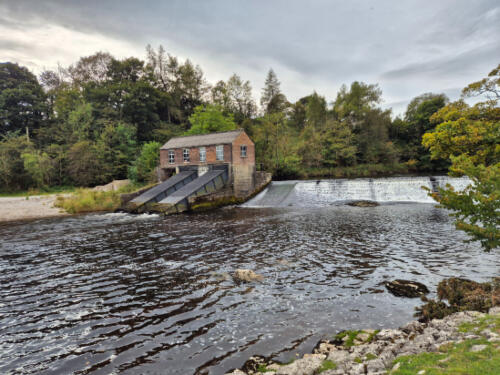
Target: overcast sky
pixel 408 47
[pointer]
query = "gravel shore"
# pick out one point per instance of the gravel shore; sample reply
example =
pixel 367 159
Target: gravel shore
pixel 36 207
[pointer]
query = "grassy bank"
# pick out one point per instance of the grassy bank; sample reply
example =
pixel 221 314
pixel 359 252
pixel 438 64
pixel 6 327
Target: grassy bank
pixel 473 357
pixel 88 200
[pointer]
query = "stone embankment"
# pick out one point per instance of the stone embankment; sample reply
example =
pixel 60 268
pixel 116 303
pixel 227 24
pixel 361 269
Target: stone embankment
pixel 374 352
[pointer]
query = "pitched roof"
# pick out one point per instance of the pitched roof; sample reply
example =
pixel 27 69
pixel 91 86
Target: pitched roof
pixel 203 139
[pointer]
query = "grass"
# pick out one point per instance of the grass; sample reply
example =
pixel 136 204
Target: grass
pixel 263 368
pixel 326 365
pixel 88 200
pixel 41 191
pixel 351 336
pixel 458 359
pixel 489 321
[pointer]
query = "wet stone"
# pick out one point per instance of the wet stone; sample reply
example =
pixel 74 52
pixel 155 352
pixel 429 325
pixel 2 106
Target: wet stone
pixel 406 288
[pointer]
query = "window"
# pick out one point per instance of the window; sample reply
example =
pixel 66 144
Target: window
pixel 203 154
pixel 185 153
pixel 171 156
pixel 219 152
pixel 243 151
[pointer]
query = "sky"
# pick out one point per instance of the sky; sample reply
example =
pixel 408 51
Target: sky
pixel 408 47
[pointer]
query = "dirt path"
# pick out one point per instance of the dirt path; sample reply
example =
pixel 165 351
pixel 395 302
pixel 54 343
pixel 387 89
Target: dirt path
pixel 20 208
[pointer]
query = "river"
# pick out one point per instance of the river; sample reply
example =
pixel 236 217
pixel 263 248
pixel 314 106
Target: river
pixel 118 293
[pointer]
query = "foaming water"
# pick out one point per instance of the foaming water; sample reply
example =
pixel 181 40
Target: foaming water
pixel 328 192
pixel 117 293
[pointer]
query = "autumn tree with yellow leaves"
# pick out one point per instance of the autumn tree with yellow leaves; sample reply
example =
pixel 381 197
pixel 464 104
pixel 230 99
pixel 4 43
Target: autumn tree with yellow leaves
pixel 470 137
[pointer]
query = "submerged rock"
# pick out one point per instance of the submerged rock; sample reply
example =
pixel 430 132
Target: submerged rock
pixel 363 204
pixel 247 275
pixel 406 288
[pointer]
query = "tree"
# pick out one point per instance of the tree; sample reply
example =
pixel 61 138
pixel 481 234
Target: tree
pixel 235 96
pixel 22 100
pixel 39 166
pixel 339 149
pixel 146 163
pixel 210 119
pixel 91 69
pixel 407 133
pixel 272 100
pixel 470 137
pixel 490 86
pixel 84 164
pixel 13 176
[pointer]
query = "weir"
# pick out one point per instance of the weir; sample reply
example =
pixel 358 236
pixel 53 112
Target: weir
pixel 339 191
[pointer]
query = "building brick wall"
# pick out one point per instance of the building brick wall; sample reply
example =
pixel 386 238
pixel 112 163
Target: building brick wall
pixel 194 156
pixel 241 171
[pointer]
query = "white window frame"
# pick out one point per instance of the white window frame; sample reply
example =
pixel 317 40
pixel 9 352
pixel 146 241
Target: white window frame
pixel 185 155
pixel 219 153
pixel 203 154
pixel 171 156
pixel 243 151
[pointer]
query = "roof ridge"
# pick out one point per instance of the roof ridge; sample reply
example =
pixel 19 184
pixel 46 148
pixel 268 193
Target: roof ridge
pixel 201 135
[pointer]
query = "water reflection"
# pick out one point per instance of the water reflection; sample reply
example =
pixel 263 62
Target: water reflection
pixel 128 294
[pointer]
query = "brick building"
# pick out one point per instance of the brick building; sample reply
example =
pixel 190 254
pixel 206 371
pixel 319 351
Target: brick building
pixel 232 150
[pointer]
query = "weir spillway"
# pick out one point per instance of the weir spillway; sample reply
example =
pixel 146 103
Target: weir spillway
pixel 338 191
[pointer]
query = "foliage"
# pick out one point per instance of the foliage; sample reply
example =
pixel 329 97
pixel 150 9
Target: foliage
pixel 22 100
pixel 13 176
pixel 145 164
pixel 88 200
pixel 477 208
pixel 85 200
pixel 272 100
pixel 210 119
pixel 39 166
pixel 470 138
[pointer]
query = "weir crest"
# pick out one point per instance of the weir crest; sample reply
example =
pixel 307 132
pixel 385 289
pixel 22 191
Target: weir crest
pixel 312 193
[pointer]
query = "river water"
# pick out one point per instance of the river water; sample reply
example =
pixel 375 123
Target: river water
pixel 117 293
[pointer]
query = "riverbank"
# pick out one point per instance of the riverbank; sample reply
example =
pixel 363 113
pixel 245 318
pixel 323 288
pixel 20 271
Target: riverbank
pixel 464 342
pixel 30 207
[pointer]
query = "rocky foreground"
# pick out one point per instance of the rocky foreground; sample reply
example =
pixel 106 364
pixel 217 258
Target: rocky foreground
pixel 374 352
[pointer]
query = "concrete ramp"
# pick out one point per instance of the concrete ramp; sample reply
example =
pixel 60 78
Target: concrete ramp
pixel 205 184
pixel 159 192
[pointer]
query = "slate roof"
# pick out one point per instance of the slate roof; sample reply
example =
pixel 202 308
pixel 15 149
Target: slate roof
pixel 220 138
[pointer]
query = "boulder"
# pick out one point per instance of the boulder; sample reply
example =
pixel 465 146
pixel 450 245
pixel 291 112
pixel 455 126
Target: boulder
pixel 406 288
pixel 363 204
pixel 247 276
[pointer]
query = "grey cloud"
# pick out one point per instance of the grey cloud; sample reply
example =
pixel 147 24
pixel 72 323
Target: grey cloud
pixel 402 45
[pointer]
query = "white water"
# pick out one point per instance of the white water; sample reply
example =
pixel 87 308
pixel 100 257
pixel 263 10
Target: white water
pixel 328 192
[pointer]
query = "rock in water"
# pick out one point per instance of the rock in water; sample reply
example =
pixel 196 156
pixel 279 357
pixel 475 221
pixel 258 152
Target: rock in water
pixel 247 275
pixel 253 363
pixel 363 204
pixel 406 288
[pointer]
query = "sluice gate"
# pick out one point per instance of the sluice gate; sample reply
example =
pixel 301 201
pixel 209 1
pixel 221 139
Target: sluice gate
pixel 207 183
pixel 161 191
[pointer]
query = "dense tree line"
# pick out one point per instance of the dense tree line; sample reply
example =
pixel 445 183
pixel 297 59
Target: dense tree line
pixel 103 118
